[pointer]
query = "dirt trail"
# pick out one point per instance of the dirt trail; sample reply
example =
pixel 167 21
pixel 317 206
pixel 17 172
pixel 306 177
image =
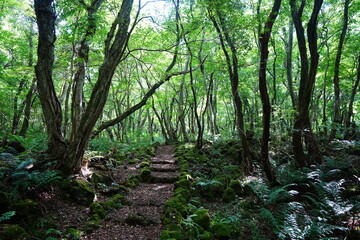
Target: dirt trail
pixel 147 201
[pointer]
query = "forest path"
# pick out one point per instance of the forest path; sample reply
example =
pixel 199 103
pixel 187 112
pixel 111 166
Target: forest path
pixel 142 220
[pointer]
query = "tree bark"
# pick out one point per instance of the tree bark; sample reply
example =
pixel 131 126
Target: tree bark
pixel 115 44
pixel 82 58
pixel 348 134
pixel 46 16
pixel 266 106
pixel 27 110
pixel 307 77
pixel 232 65
pixel 337 117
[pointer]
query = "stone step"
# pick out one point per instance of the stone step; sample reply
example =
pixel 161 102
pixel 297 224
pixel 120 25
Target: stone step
pixel 164 177
pixel 163 168
pixel 158 161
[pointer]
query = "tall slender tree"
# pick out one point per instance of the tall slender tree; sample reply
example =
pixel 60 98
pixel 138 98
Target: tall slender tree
pixel 264 53
pixel 302 123
pixel 336 80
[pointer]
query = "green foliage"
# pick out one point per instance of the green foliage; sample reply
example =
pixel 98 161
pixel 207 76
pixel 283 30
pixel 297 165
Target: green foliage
pixel 6 216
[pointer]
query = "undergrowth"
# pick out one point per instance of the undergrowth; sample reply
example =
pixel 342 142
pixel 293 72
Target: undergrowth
pixel 310 203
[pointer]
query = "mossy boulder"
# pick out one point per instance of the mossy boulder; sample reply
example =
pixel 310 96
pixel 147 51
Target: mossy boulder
pixel 211 190
pixel 182 183
pixel 229 195
pixel 169 235
pixel 177 204
pixel 139 219
pixel 98 208
pixel 145 175
pixel 221 231
pixel 73 234
pixel 114 189
pixel 101 178
pixel 185 193
pixel 116 202
pixel 144 164
pixel 237 186
pixel 78 190
pixel 202 218
pixel 5 202
pixel 132 181
pixel 25 208
pixel 92 225
pixel 13 232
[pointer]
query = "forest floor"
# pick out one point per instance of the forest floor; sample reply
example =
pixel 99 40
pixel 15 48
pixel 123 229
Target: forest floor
pixel 145 193
pixel 140 218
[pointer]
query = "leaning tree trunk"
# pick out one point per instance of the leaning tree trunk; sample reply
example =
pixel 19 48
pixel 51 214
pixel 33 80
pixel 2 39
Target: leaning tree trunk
pixel 264 52
pixel 45 15
pixel 82 58
pixel 337 117
pixel 27 110
pixel 115 44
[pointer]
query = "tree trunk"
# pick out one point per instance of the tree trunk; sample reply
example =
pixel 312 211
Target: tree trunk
pixel 289 50
pixel 264 52
pixel 16 110
pixel 27 110
pixel 82 58
pixel 348 133
pixel 46 16
pixel 115 44
pixel 307 76
pixel 232 65
pixel 337 117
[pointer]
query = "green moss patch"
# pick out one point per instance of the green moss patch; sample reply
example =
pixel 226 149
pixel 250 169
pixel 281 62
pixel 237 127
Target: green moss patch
pixel 78 190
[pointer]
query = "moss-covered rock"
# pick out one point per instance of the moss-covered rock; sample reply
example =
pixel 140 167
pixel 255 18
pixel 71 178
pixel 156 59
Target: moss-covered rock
pixel 98 208
pixel 139 219
pixel 78 190
pixel 73 234
pixel 91 225
pixel 182 183
pixel 202 218
pixel 13 232
pixel 237 186
pixel 116 202
pixel 145 175
pixel 133 161
pixel 221 231
pixel 132 181
pixel 25 208
pixel 185 193
pixel 114 189
pixel 169 235
pixel 176 204
pixel 144 164
pixel 95 217
pixel 101 178
pixel 229 195
pixel 211 190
